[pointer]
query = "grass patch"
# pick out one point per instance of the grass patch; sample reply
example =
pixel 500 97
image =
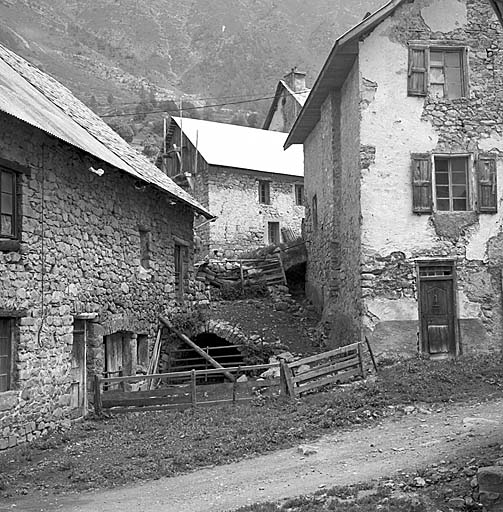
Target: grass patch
pixel 143 446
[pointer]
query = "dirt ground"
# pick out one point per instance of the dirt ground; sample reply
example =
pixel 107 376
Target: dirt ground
pixel 450 433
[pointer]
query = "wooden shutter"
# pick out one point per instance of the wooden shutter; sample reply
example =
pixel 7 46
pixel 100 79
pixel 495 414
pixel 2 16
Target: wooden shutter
pixel 418 71
pixel 421 183
pixel 486 181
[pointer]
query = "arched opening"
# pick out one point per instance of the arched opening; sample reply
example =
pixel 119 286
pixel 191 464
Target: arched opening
pixel 296 279
pixel 225 353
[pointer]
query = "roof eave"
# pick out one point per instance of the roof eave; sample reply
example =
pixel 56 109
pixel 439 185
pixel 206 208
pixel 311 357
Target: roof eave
pixel 345 49
pixel 498 9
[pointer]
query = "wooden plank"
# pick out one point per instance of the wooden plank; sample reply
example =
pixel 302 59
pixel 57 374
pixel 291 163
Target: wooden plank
pixel 141 402
pixel 313 374
pixel 333 360
pixel 339 378
pixel 201 352
pixel 362 369
pixel 371 353
pixel 330 353
pixel 154 393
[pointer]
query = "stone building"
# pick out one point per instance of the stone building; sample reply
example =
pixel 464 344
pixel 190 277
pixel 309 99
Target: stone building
pixel 243 176
pixel 95 243
pixel 291 94
pixel 403 148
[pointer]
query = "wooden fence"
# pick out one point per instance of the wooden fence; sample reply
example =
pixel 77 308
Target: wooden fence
pixel 179 389
pixel 336 366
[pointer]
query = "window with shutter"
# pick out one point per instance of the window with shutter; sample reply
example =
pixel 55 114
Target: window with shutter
pixel 421 183
pixel 486 180
pixel 440 71
pixel 418 71
pixel 8 208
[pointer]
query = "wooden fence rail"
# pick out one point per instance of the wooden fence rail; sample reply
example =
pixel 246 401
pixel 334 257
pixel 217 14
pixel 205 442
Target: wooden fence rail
pixel 188 393
pixel 336 366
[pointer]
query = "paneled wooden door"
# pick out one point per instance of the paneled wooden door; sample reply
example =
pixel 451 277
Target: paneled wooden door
pixel 437 311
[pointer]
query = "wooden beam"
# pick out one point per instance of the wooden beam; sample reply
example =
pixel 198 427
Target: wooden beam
pixel 198 349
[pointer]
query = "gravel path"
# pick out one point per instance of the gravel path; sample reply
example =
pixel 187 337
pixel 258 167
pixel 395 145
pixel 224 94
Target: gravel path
pixel 346 458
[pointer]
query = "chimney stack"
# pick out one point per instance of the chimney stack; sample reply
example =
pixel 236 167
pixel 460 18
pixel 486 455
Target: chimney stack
pixel 296 80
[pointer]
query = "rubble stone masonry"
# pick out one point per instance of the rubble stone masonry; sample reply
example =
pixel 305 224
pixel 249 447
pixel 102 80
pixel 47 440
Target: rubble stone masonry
pixel 80 256
pixel 395 125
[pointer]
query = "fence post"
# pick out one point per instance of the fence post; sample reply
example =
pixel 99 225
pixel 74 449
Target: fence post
pixel 360 357
pixel 286 379
pixel 98 405
pixel 193 387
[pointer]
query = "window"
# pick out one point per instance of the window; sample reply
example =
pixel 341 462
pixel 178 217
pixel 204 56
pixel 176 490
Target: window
pixel 5 353
pixel 441 71
pixel 299 195
pixel 8 207
pixel 314 212
pixel 179 270
pixel 264 192
pixel 451 184
pixel 145 240
pixel 442 183
pixel 273 233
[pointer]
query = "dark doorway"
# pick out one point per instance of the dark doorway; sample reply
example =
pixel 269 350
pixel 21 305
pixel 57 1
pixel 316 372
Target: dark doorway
pixel 437 309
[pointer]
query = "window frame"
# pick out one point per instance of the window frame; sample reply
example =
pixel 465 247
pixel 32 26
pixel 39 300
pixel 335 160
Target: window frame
pixel 10 322
pixel 470 186
pixel 277 232
pixel 314 212
pixel 15 203
pixel 427 48
pixel 264 191
pixel 299 191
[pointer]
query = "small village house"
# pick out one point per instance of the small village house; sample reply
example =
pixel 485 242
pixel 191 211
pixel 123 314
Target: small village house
pixel 95 243
pixel 244 177
pixel 403 148
pixel 290 96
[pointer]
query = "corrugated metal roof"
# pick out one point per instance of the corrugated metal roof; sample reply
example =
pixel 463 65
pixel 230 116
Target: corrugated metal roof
pixel 229 145
pixel 39 100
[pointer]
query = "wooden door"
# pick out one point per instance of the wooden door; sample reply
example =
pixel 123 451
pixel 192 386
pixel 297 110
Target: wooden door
pixel 113 357
pixel 437 316
pixel 78 368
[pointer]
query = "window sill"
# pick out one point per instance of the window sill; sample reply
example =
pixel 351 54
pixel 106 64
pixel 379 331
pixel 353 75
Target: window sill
pixel 8 245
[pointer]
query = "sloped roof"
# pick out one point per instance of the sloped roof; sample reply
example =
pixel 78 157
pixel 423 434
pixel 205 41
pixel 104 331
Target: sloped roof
pixel 338 65
pixel 34 97
pixel 300 97
pixel 334 72
pixel 241 147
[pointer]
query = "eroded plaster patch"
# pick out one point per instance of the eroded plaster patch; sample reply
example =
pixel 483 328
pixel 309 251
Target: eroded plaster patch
pixel 383 309
pixel 454 224
pixel 392 122
pixel 493 143
pixel 445 15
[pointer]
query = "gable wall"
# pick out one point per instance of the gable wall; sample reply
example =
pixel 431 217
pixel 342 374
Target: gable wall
pixel 91 258
pixel 395 125
pixel 287 110
pixel 241 223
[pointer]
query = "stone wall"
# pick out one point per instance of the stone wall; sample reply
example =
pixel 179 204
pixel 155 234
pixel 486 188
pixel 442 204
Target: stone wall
pixel 393 126
pixel 241 223
pixel 80 257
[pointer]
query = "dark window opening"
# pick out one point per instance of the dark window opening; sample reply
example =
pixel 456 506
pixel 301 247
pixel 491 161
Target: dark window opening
pixel 145 242
pixel 8 206
pixel 264 192
pixel 314 212
pixel 180 269
pixel 299 195
pixel 5 353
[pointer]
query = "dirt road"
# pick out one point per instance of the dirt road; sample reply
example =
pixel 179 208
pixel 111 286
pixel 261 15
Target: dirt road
pixel 346 458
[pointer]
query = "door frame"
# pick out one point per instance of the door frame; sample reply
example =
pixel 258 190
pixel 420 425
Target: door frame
pixel 432 262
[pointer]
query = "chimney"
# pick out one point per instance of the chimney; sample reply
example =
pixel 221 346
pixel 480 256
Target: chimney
pixel 296 80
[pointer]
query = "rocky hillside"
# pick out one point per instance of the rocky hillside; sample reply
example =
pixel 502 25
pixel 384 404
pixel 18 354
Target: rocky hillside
pixel 125 56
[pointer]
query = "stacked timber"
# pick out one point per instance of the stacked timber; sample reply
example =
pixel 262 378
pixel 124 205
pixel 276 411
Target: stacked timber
pixel 268 271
